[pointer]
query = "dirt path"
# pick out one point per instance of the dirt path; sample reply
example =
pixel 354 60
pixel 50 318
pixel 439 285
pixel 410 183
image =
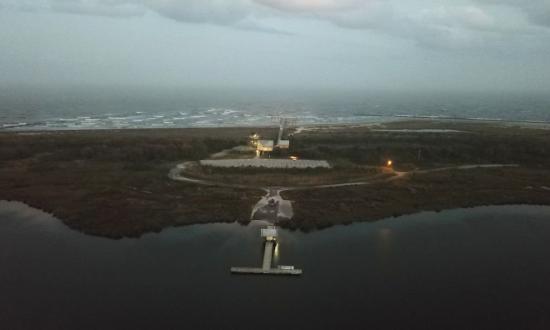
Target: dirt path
pixel 177 174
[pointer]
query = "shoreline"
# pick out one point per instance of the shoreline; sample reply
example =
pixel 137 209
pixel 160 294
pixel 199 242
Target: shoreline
pixel 263 223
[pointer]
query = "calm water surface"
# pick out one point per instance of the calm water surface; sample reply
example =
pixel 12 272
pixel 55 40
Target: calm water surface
pixel 483 268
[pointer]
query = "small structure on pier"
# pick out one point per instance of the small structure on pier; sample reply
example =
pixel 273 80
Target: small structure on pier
pixel 270 235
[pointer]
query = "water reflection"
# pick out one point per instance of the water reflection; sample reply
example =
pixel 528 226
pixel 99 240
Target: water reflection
pixel 276 253
pixel 384 241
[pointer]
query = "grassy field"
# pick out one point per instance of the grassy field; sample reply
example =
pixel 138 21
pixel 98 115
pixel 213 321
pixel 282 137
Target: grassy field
pixel 263 177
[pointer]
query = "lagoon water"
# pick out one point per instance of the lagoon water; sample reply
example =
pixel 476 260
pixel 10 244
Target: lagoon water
pixel 482 268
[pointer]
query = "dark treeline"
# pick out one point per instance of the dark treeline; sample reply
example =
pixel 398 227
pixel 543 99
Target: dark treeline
pixel 424 149
pixel 109 147
pixel 115 183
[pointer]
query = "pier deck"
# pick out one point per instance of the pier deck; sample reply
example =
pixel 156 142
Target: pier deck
pixel 270 235
pixel 261 271
pixel 268 255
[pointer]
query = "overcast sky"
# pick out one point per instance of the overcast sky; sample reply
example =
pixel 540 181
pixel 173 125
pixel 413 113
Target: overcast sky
pixel 357 44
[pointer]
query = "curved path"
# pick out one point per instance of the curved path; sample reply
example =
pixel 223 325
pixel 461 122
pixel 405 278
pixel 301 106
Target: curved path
pixel 272 207
pixel 177 174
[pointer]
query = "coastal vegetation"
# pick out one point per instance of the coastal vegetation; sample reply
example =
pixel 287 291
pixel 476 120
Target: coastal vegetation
pixel 264 177
pixel 114 183
pixel 433 191
pixel 424 144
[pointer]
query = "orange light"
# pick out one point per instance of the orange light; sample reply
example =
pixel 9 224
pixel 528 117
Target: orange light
pixel 293 158
pixel 389 163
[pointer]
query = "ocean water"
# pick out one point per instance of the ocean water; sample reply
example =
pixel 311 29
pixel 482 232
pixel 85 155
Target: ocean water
pixel 32 108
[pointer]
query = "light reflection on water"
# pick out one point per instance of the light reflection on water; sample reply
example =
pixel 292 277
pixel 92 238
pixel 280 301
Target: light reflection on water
pixel 458 269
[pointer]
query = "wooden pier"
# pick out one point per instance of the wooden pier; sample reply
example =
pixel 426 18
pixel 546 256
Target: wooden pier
pixel 270 235
pixel 268 255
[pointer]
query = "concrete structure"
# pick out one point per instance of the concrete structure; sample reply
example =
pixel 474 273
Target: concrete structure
pixel 263 146
pixel 267 163
pixel 283 144
pixel 284 123
pixel 270 234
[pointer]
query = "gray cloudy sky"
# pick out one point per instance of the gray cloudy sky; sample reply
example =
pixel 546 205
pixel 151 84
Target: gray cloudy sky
pixel 382 44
